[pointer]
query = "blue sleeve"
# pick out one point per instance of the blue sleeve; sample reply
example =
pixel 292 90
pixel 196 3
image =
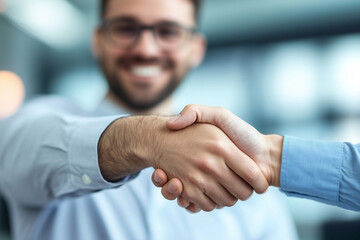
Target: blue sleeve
pixel 48 152
pixel 327 172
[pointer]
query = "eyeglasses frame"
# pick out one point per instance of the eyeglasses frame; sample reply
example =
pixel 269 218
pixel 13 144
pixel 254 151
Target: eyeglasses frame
pixel 142 27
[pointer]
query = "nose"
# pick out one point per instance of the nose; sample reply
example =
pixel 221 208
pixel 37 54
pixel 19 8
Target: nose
pixel 146 45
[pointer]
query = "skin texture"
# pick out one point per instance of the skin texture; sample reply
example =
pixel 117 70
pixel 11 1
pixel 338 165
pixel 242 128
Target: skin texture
pixel 265 150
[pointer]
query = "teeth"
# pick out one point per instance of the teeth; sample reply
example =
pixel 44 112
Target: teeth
pixel 148 71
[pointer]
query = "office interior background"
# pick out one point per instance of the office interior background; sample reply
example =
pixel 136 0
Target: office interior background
pixel 286 67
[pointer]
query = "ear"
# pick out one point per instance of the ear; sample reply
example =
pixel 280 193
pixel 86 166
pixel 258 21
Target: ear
pixel 199 50
pixel 96 43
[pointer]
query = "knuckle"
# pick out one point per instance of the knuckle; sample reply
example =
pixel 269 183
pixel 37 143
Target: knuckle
pixel 166 195
pixel 209 207
pixel 208 165
pixel 230 202
pixel 192 195
pixel 223 110
pixel 193 208
pixel 253 174
pixel 188 193
pixel 182 202
pixel 245 194
pixel 190 107
pixel 262 189
pixel 194 179
pixel 219 147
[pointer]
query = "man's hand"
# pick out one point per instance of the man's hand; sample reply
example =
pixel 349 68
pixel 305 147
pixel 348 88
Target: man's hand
pixel 265 150
pixel 205 160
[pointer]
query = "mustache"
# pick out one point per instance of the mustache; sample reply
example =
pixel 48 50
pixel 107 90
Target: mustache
pixel 127 61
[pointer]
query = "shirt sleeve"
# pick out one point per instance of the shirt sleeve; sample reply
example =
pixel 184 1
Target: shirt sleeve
pixel 327 172
pixel 48 153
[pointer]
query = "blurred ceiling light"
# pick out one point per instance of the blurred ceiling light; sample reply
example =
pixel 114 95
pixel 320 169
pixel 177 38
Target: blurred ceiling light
pixel 291 79
pixel 343 62
pixel 12 93
pixel 57 23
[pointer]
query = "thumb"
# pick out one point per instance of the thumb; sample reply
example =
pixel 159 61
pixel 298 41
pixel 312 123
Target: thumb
pixel 198 113
pixel 187 117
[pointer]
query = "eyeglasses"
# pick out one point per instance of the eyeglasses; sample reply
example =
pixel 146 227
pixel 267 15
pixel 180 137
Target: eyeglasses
pixel 125 33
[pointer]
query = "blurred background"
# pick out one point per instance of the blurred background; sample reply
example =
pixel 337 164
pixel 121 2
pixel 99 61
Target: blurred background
pixel 287 67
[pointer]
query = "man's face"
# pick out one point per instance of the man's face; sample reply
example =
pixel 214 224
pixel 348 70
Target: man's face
pixel 145 74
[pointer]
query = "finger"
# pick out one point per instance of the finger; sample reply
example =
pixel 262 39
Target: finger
pixel 238 187
pixel 210 200
pixel 197 113
pixel 230 186
pixel 193 208
pixel 182 202
pixel 187 117
pixel 247 169
pixel 200 199
pixel 172 189
pixel 221 196
pixel 159 178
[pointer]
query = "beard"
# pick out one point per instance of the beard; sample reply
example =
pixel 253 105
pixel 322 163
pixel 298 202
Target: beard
pixel 116 83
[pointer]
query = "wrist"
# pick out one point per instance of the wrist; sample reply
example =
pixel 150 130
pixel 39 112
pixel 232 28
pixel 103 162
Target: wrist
pixel 149 134
pixel 275 145
pixel 128 146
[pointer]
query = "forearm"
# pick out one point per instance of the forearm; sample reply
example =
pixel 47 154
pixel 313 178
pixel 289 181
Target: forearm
pixel 45 154
pixel 322 171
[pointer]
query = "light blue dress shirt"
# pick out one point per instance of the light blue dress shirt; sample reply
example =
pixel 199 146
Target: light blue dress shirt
pixel 49 175
pixel 327 172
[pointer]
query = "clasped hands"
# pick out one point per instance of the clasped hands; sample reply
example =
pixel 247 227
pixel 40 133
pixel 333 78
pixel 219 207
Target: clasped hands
pixel 240 160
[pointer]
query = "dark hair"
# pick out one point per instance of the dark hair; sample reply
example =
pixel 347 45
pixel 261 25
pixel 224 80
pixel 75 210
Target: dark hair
pixel 196 3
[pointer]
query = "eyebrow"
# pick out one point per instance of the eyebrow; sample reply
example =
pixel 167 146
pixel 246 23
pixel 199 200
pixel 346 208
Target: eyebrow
pixel 124 18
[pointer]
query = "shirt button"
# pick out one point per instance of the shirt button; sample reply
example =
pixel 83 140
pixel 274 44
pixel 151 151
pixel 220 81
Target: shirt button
pixel 86 179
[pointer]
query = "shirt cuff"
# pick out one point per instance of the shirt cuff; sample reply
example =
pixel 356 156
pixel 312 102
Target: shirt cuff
pixel 311 169
pixel 84 165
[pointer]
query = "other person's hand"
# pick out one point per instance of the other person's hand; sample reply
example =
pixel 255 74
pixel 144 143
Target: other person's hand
pixel 265 150
pixel 205 160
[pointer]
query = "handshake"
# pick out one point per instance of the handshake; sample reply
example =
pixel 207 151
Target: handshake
pixel 219 159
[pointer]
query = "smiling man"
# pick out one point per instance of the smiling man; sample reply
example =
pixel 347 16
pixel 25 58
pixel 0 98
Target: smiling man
pixel 67 174
pixel 146 56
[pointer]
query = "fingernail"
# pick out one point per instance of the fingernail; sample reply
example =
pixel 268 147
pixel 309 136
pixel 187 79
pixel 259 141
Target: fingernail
pixel 157 178
pixel 174 119
pixel 196 211
pixel 171 188
pixel 189 211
